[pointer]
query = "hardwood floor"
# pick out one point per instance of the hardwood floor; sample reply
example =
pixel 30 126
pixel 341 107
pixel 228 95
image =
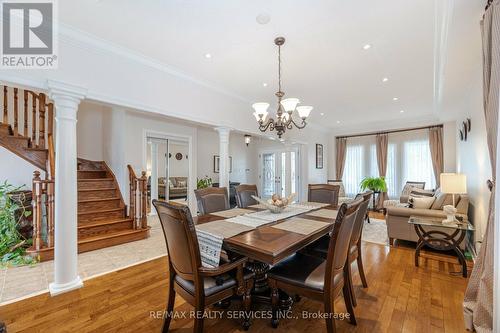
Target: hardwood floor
pixel 400 298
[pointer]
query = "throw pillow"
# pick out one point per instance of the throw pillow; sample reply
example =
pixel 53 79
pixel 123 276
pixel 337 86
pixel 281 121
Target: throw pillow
pixel 170 185
pixel 418 192
pixel 182 183
pixel 421 202
pixel 442 199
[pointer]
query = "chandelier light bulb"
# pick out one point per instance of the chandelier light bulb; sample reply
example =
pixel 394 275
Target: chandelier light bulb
pixel 289 104
pixel 304 111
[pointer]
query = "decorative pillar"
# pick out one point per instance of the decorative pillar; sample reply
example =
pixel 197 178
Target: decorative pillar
pixel 66 100
pixel 154 174
pixel 223 156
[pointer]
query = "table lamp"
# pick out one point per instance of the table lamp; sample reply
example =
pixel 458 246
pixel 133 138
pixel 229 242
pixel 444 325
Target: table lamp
pixel 453 183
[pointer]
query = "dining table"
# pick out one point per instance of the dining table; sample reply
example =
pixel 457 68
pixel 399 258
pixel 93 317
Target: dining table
pixel 267 245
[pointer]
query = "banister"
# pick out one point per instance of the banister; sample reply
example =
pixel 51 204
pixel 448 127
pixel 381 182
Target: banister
pixel 51 157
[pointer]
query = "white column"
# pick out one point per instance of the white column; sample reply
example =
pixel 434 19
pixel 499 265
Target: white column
pixel 154 172
pixel 223 156
pixel 66 99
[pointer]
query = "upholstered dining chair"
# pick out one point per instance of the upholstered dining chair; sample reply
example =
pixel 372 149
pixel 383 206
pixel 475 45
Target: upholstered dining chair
pixel 317 278
pixel 198 285
pixel 324 193
pixel 212 199
pixel 244 194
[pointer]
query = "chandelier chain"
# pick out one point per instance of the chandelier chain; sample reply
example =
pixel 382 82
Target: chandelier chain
pixel 279 67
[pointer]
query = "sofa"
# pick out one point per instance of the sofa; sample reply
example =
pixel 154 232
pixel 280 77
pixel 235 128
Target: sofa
pixel 177 187
pixel 397 216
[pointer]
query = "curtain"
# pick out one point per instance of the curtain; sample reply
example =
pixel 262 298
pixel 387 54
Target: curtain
pixel 341 152
pixel 478 300
pixel 382 143
pixel 436 147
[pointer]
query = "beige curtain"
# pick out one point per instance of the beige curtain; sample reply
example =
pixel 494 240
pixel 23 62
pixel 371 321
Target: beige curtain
pixel 478 301
pixel 382 141
pixel 436 147
pixel 341 151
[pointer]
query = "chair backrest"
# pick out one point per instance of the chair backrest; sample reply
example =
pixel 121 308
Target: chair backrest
pixel 360 217
pixel 340 240
pixel 340 183
pixel 180 236
pixel 324 193
pixel 212 199
pixel 244 195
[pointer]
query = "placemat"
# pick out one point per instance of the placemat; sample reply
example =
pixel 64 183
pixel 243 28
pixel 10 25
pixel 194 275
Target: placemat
pixel 232 212
pixel 248 220
pixel 309 205
pixel 210 248
pixel 325 213
pixel 223 228
pixel 300 225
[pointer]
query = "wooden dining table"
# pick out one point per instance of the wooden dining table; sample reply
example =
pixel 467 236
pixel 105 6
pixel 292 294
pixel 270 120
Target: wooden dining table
pixel 266 246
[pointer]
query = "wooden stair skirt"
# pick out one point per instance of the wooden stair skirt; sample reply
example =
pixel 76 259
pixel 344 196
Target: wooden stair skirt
pixel 102 214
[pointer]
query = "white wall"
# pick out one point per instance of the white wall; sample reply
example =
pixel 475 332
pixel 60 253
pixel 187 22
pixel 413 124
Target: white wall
pixel 15 170
pixel 89 131
pixel 178 168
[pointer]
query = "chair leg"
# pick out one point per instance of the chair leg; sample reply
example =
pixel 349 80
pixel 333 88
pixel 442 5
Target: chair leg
pixel 170 307
pixel 348 304
pixel 361 269
pixel 368 217
pixel 329 318
pixel 348 282
pixel 198 321
pixel 275 299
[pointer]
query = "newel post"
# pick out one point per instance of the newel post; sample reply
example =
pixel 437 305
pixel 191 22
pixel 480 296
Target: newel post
pixel 144 200
pixel 37 211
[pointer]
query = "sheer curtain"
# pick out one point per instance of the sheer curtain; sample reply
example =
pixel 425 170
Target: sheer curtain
pixel 408 159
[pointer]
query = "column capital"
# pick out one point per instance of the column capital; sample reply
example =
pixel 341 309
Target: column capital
pixel 223 132
pixel 59 90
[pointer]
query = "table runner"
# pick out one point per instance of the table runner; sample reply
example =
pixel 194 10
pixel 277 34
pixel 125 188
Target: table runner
pixel 325 213
pixel 232 212
pixel 257 206
pixel 300 225
pixel 248 220
pixel 309 205
pixel 287 212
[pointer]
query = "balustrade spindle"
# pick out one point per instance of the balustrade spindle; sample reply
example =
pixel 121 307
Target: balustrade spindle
pixel 51 118
pixel 25 132
pixel 5 106
pixel 16 112
pixel 37 211
pixel 144 198
pixel 50 213
pixel 33 121
pixel 41 121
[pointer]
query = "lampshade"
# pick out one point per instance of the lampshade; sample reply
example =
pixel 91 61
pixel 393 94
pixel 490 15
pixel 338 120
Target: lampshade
pixel 454 183
pixel 289 104
pixel 261 109
pixel 304 111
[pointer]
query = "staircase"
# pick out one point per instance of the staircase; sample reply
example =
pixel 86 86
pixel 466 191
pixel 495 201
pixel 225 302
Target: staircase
pixel 102 214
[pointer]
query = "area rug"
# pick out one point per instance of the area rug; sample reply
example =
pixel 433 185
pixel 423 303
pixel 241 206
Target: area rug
pixel 375 232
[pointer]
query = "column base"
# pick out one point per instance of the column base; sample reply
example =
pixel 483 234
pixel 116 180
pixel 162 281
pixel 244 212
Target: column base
pixel 56 288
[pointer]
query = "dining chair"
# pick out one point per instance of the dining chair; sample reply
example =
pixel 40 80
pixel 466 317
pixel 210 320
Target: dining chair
pixel 323 193
pixel 244 195
pixel 212 199
pixel 199 286
pixel 320 248
pixel 317 278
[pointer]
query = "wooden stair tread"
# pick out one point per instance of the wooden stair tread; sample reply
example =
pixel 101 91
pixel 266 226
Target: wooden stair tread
pixel 36 149
pixel 99 199
pixel 92 170
pixel 96 189
pixel 111 235
pixel 94 179
pixel 104 222
pixel 101 211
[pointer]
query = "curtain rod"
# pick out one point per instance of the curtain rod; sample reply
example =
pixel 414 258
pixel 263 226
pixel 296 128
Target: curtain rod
pixel 388 132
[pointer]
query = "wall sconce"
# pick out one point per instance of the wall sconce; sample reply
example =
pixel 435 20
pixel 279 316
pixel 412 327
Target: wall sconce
pixel 248 138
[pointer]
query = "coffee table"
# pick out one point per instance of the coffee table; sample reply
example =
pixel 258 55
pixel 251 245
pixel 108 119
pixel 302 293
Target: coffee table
pixel 425 227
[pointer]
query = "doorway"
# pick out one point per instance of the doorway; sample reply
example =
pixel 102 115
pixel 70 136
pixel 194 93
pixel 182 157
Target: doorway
pixel 280 172
pixel 167 170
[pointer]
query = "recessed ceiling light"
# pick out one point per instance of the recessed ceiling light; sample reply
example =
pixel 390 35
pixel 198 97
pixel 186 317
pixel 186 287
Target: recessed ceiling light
pixel 385 79
pixel 322 113
pixel 208 55
pixel 263 18
pixel 338 121
pixel 402 111
pixel 366 46
pixel 395 98
pixel 264 84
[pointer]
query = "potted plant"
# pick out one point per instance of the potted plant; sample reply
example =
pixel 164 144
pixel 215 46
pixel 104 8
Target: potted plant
pixel 204 182
pixel 12 244
pixel 375 184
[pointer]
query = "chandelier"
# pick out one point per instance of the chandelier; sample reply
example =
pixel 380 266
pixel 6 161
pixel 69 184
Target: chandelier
pixel 284 113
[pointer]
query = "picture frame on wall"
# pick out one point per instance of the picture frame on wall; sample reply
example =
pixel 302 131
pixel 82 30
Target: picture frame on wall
pixel 319 156
pixel 217 164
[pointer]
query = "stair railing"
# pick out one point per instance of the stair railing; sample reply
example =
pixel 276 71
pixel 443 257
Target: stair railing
pixel 43 212
pixel 138 198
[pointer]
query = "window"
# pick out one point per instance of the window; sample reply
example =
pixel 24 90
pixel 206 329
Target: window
pixel 354 169
pixel 417 163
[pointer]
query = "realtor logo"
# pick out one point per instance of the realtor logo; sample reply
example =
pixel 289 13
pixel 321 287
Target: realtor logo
pixel 28 34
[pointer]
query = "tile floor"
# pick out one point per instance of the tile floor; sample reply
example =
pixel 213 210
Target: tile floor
pixel 20 282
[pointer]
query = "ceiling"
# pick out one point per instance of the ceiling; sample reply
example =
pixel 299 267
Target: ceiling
pixel 324 63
